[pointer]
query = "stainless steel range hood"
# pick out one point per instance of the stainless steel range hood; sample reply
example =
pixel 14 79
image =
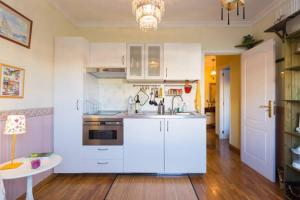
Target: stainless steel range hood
pixel 107 72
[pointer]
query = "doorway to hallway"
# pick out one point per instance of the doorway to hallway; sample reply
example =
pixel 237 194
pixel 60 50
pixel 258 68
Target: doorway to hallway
pixel 222 97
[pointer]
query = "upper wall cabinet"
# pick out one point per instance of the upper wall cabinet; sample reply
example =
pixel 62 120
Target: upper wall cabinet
pixel 182 61
pixel 108 55
pixel 145 62
pixel 135 61
pixel 154 67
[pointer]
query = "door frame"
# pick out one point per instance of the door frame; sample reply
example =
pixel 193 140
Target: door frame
pixel 221 105
pixel 225 52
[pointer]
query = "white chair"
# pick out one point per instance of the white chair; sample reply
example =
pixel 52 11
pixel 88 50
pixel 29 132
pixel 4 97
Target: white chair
pixel 2 190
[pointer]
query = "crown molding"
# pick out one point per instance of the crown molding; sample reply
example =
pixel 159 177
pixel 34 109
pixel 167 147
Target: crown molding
pixel 61 10
pixel 165 24
pixel 266 11
pixel 174 24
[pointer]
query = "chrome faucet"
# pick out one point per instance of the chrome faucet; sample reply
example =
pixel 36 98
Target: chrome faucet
pixel 173 111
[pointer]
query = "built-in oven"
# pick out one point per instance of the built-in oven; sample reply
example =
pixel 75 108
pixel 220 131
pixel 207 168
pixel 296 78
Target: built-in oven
pixel 103 131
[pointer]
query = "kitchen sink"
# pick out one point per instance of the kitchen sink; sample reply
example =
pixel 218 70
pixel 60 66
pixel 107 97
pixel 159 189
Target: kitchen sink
pixel 185 113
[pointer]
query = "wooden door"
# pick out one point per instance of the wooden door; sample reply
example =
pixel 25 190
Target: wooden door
pixel 258 121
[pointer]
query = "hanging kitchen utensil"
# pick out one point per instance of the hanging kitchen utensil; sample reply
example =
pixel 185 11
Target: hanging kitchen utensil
pixel 187 87
pixel 155 96
pixel 143 97
pixel 151 102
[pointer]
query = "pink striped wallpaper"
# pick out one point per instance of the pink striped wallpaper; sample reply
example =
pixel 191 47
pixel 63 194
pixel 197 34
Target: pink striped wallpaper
pixel 38 138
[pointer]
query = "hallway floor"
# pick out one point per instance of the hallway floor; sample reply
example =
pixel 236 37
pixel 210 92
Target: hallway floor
pixel 227 178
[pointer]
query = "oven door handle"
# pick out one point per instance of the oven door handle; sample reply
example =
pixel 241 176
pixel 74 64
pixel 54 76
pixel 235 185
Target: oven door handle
pixel 102 163
pixel 104 149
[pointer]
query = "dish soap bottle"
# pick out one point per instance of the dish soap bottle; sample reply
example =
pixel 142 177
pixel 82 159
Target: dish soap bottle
pixel 137 104
pixel 130 106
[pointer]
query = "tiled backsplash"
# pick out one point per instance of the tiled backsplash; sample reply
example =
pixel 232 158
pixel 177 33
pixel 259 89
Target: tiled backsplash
pixel 113 94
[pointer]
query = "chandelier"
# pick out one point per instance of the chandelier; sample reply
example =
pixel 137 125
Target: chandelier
pixel 148 13
pixel 230 5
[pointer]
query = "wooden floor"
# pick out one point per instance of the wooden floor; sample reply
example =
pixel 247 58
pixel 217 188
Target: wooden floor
pixel 226 178
pixel 128 187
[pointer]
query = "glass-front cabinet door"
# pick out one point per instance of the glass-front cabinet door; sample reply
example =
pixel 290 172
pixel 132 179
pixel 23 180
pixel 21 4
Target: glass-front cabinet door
pixel 154 61
pixel 135 61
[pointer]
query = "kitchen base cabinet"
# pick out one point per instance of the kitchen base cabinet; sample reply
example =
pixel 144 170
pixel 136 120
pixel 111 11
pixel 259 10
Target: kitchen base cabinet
pixel 185 146
pixel 143 146
pixel 102 152
pixel 102 166
pixel 169 146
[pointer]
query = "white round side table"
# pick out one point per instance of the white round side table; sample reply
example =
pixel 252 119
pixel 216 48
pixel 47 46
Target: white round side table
pixel 25 170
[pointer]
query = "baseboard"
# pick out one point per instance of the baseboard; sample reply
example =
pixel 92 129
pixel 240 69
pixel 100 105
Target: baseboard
pixel 39 185
pixel 233 148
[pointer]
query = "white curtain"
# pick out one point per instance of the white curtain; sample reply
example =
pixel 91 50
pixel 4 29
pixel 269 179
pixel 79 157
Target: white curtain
pixel 2 190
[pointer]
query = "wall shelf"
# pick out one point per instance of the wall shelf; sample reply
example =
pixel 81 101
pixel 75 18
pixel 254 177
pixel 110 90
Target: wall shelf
pixel 291 91
pixel 293 168
pixel 293 134
pixel 294 35
pixel 280 27
pixel 292 101
pixel 294 68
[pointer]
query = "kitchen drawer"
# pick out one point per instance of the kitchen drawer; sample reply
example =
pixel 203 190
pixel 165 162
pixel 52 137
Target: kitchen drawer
pixel 102 152
pixel 102 166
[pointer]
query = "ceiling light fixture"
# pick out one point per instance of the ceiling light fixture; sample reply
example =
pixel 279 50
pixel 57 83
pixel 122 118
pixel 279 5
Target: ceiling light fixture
pixel 148 13
pixel 213 72
pixel 230 5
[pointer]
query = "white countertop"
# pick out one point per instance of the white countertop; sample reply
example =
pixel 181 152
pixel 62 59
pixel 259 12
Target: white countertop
pixel 146 115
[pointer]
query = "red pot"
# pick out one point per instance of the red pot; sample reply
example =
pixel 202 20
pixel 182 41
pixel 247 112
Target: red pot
pixel 188 89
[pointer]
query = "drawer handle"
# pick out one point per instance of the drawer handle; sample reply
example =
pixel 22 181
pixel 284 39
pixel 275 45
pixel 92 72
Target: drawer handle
pixel 102 163
pixel 102 149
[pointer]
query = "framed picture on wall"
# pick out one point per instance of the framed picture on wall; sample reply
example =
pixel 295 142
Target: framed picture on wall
pixel 14 26
pixel 11 81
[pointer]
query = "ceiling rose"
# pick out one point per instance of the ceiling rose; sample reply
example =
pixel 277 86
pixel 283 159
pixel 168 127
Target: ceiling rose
pixel 230 5
pixel 148 13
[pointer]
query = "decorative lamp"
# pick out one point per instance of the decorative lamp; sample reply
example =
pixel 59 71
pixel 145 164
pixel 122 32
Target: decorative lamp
pixel 148 13
pixel 15 125
pixel 230 5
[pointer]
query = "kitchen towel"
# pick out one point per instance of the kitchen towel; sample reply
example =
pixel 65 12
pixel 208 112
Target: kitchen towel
pixel 198 97
pixel 2 190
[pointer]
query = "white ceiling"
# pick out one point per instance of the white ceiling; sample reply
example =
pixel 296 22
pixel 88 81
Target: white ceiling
pixel 178 12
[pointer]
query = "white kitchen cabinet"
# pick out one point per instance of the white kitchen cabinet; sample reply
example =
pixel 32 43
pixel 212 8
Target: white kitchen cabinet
pixel 135 62
pixel 102 152
pixel 185 146
pixel 102 166
pixel 143 145
pixel 107 55
pixel 145 62
pixel 182 61
pixel 165 145
pixel 71 56
pixel 154 67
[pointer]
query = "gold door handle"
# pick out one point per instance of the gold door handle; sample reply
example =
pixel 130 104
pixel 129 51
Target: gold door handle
pixel 269 108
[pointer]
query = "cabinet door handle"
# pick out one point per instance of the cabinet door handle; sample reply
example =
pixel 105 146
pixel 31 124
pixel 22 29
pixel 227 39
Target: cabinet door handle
pixel 166 72
pixel 167 126
pixel 102 163
pixel 123 60
pixel 160 126
pixel 77 105
pixel 102 149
